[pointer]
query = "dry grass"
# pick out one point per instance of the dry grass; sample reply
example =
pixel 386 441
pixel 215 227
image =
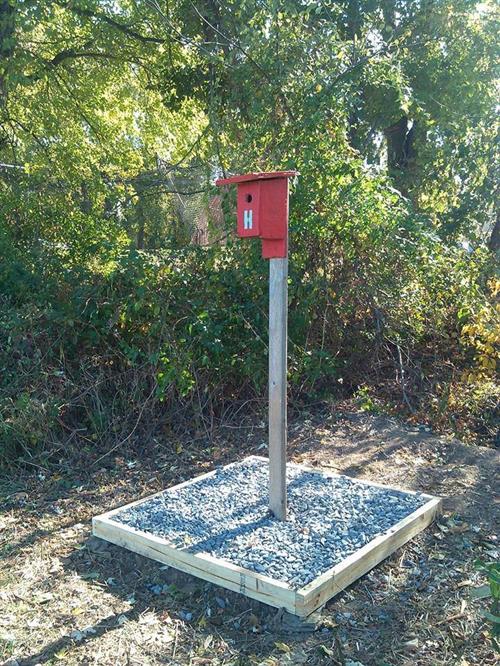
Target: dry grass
pixel 66 598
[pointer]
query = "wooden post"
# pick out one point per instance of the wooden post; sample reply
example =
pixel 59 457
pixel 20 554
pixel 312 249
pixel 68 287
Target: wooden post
pixel 278 312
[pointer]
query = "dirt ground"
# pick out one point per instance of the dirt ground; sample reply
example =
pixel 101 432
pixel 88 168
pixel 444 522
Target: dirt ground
pixel 68 598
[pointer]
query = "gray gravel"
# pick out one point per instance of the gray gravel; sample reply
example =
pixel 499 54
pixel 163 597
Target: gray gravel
pixel 227 516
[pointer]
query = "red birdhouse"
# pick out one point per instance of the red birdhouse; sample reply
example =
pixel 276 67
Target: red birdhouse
pixel 262 209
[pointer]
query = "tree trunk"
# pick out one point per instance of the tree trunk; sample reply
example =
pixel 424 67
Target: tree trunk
pixel 85 201
pixel 400 153
pixel 141 227
pixel 494 240
pixel 7 26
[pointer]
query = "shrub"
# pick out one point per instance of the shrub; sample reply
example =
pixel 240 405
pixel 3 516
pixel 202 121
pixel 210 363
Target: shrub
pixel 130 342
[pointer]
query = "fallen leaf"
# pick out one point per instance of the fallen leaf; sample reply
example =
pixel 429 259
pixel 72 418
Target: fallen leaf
pixel 56 566
pixel 458 529
pixel 465 583
pixel 253 620
pixel 91 575
pixel 326 651
pixel 282 647
pixel 437 556
pixel 411 645
pixel 481 592
pixel 61 655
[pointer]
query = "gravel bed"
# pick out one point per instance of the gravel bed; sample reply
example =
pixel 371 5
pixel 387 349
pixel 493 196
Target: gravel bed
pixel 226 515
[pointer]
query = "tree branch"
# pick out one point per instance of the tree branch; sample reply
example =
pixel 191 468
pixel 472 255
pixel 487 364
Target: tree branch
pixel 71 53
pixel 117 25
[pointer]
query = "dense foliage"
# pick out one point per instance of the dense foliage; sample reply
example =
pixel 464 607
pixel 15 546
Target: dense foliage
pixel 115 117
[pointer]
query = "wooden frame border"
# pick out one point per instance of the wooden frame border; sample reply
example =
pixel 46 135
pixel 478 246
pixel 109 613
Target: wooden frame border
pixel 301 602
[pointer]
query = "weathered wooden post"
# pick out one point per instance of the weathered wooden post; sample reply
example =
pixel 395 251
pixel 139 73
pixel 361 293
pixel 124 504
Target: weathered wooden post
pixel 278 318
pixel 262 211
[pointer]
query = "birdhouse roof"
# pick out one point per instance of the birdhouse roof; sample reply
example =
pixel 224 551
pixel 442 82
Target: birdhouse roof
pixel 255 176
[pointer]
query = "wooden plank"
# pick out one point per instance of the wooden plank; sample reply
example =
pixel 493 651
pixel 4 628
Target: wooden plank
pixel 278 305
pixel 257 586
pixel 336 579
pixel 202 565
